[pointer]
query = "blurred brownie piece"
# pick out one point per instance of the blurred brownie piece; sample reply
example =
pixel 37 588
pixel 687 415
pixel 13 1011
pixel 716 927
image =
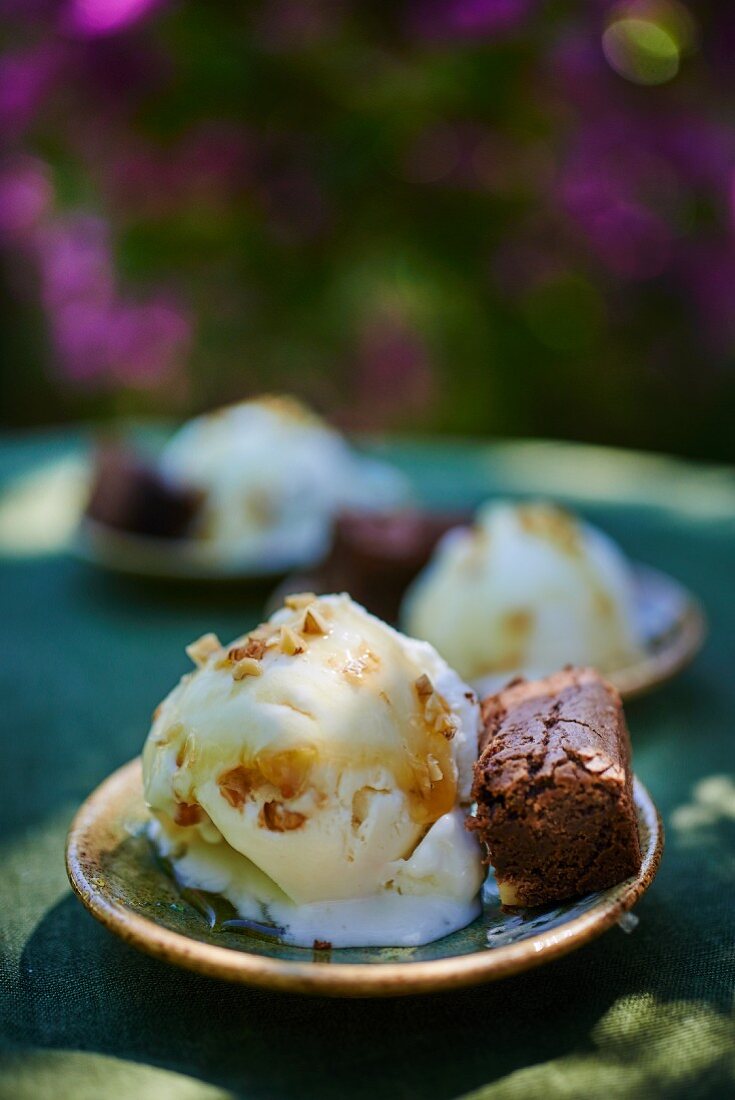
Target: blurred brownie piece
pixel 554 788
pixel 376 555
pixel 129 494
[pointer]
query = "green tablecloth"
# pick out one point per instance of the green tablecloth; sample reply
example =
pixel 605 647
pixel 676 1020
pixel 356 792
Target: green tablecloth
pixel 84 659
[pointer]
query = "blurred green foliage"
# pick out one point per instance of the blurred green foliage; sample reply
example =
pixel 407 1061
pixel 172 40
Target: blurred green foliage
pixel 442 216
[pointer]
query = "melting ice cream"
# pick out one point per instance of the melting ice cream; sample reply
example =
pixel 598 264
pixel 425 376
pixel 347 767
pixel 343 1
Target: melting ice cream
pixel 313 772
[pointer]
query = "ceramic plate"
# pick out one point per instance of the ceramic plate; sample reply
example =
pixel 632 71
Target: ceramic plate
pixel 673 627
pixel 116 874
pixel 171 559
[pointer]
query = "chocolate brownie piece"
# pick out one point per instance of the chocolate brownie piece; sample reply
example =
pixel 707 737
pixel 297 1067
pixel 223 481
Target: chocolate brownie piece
pixel 554 788
pixel 130 494
pixel 376 555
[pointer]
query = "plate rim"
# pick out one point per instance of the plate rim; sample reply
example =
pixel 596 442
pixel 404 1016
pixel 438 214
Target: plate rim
pixel 346 979
pixel 149 557
pixel 656 668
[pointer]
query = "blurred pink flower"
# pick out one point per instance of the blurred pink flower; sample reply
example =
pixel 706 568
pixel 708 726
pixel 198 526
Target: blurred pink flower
pixel 119 343
pixel 146 341
pixel 579 73
pixel 79 332
pixel 693 149
pixel 75 261
pixel 101 338
pixel 440 19
pixel 622 194
pixel 632 241
pixel 100 17
pixel 25 80
pixel 30 13
pixel 26 195
pixel 699 149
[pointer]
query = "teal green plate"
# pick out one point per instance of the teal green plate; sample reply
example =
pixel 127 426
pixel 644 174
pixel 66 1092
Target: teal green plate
pixel 114 872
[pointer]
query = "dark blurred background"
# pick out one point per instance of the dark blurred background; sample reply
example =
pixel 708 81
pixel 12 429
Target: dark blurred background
pixel 499 217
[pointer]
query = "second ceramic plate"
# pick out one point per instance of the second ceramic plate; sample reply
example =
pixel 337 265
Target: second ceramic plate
pixel 671 621
pixel 184 560
pixel 673 627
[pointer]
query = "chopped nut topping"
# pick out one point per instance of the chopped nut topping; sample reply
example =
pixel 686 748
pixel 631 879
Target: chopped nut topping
pixel 278 819
pixel 424 687
pixel 203 648
pixel 236 784
pixel 313 622
pixel 435 772
pixel 289 642
pixel 248 666
pixel 253 647
pixel 436 711
pixel 298 600
pixel 289 769
pixel 188 813
pixel 447 728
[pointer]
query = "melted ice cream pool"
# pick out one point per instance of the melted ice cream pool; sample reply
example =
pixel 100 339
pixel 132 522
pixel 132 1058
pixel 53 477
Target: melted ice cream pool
pixel 313 773
pixel 526 590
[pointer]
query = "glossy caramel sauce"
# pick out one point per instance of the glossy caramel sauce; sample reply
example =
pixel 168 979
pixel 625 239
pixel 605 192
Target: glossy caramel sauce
pixel 188 813
pixel 423 768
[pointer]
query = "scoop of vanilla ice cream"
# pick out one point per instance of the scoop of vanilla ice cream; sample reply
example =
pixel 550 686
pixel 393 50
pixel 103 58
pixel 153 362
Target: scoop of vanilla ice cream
pixel 273 474
pixel 527 589
pixel 313 772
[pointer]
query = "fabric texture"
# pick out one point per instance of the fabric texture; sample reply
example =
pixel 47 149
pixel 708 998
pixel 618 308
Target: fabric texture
pixel 85 658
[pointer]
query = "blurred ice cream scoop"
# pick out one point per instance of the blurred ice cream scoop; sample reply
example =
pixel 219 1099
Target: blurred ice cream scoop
pixel 273 475
pixel 313 773
pixel 526 589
